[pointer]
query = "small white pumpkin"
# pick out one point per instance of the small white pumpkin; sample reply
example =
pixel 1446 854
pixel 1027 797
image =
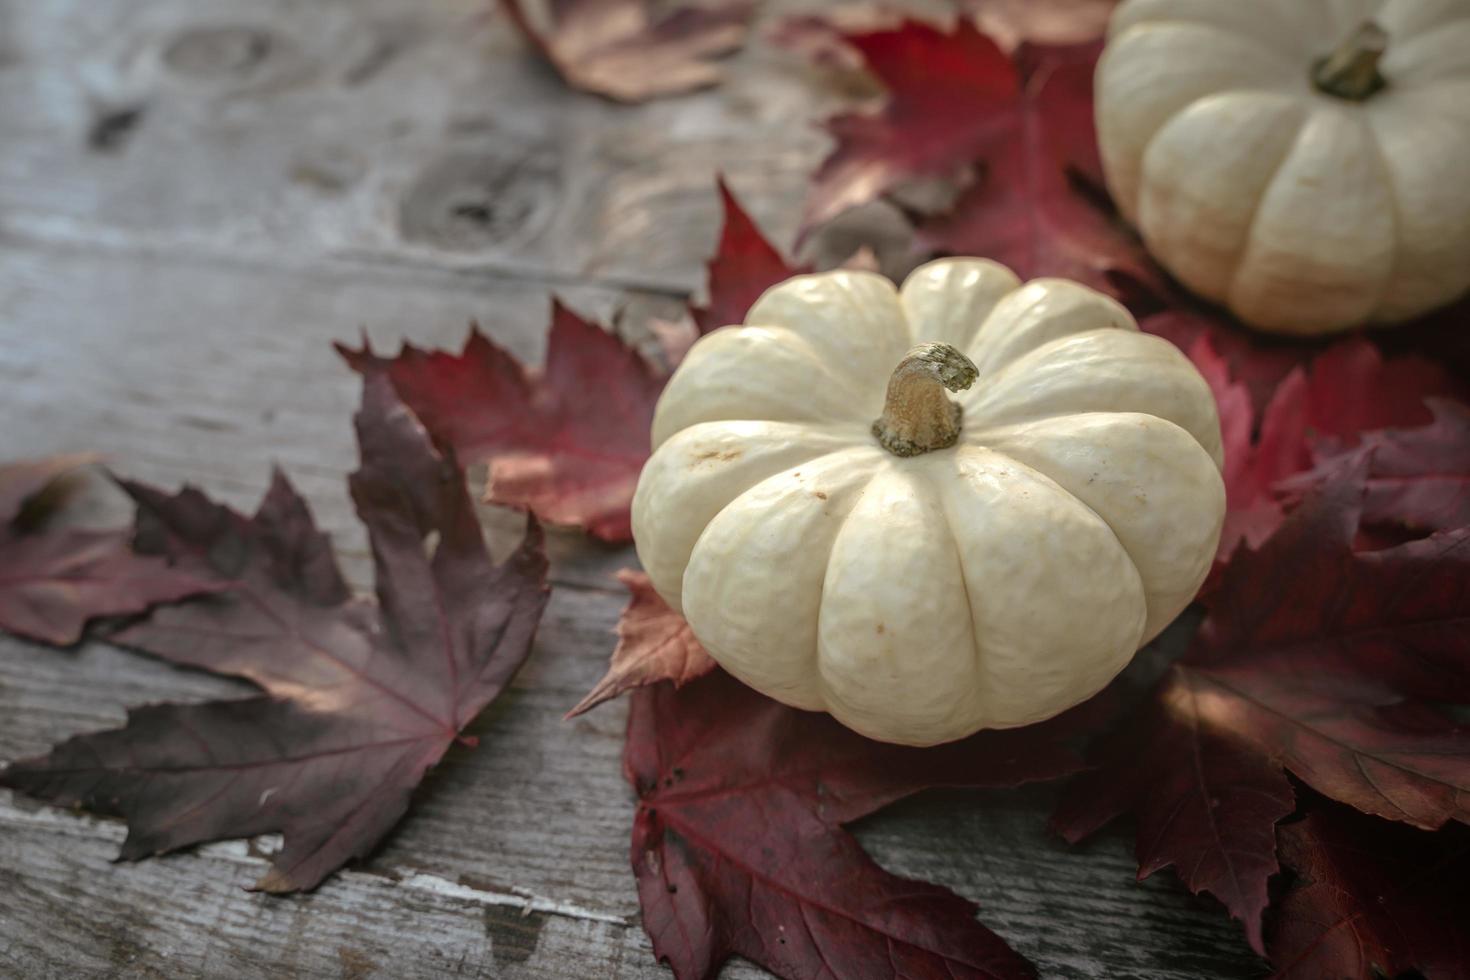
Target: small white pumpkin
pixel 1304 162
pixel 949 567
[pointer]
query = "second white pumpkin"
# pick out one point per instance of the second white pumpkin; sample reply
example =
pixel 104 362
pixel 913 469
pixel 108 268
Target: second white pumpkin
pixel 990 583
pixel 1307 193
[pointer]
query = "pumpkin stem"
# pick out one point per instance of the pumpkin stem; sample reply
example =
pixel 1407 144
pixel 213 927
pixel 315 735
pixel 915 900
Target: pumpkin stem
pixel 1351 72
pixel 918 416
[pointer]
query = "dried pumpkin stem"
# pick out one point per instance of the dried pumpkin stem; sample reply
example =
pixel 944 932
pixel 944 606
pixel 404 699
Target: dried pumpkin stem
pixel 1351 72
pixel 918 416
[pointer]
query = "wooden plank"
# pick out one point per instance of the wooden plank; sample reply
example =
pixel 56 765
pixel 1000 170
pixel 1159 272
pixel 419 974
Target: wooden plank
pixel 64 913
pixel 424 132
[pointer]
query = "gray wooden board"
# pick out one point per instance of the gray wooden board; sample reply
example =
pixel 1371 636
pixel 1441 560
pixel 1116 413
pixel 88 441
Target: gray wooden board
pixel 170 282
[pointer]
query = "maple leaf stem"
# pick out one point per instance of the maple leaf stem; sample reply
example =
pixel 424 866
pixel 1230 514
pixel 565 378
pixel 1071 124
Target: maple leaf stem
pixel 917 416
pixel 1351 72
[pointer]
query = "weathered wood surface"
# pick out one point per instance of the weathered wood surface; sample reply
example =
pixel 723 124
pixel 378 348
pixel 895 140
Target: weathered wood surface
pixel 196 197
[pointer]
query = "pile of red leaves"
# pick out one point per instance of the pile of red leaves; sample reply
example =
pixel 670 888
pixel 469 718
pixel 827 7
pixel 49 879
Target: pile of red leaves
pixel 1306 762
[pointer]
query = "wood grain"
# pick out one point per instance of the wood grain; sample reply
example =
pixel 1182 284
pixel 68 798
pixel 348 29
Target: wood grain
pixel 196 198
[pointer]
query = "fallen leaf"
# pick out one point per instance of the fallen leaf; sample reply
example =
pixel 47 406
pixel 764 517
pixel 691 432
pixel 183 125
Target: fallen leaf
pixel 738 846
pixel 361 698
pixel 1346 390
pixel 566 442
pixel 1314 658
pixel 654 644
pixel 1039 206
pixel 1417 478
pixel 744 266
pixel 53 580
pixel 951 100
pixel 1259 363
pixel 634 50
pixel 1371 900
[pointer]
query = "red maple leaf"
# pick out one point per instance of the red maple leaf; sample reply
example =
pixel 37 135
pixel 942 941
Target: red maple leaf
pixel 1417 478
pixel 1039 206
pixel 361 698
pixel 1371 900
pixel 951 99
pixel 738 844
pixel 1314 659
pixel 630 50
pixel 567 442
pixel 745 264
pixel 957 103
pixel 654 644
pixel 53 580
pixel 1345 391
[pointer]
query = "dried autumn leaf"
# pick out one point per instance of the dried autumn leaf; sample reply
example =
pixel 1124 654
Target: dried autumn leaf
pixel 52 580
pixel 361 698
pixel 1039 206
pixel 1346 390
pixel 738 847
pixel 632 50
pixel 1371 900
pixel 1314 659
pixel 957 103
pixel 951 99
pixel 745 264
pixel 567 442
pixel 1417 478
pixel 654 644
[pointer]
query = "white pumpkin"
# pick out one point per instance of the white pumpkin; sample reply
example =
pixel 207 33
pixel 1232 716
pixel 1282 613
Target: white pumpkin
pixel 935 572
pixel 1304 162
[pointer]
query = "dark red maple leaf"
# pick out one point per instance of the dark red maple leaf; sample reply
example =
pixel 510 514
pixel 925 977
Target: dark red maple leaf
pixel 654 644
pixel 53 580
pixel 738 847
pixel 1417 478
pixel 1345 391
pixel 567 442
pixel 1371 900
pixel 632 50
pixel 361 698
pixel 1039 206
pixel 951 99
pixel 1315 659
